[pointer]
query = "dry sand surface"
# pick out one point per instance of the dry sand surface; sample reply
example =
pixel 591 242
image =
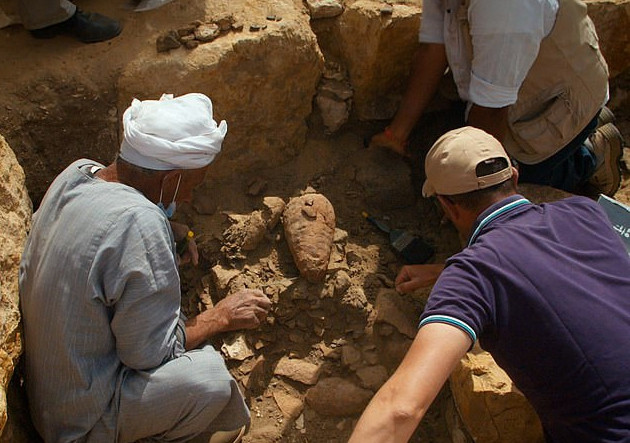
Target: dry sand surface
pixel 314 331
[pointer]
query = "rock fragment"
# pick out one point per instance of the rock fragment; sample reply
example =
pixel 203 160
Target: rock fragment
pixel 490 405
pixel 168 41
pixel 223 276
pixel 298 370
pixel 225 23
pixel 372 377
pixel 289 405
pixel 187 30
pixel 337 397
pixel 324 8
pixel 235 347
pixel 334 101
pixel 207 32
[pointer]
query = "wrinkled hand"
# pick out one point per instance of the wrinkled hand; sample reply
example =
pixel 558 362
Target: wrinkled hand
pixel 385 140
pixel 412 277
pixel 191 254
pixel 246 309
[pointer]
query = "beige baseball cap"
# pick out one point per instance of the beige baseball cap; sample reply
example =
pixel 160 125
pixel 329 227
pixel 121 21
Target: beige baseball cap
pixel 451 164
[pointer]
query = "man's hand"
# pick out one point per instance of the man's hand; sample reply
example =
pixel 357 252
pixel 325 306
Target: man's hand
pixel 412 277
pixel 245 309
pixel 387 139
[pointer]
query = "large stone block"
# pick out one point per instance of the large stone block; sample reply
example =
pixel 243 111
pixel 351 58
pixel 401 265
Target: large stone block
pixel 15 217
pixel 261 80
pixel 490 406
pixel 379 61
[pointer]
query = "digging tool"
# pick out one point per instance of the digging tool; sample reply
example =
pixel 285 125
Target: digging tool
pixel 412 248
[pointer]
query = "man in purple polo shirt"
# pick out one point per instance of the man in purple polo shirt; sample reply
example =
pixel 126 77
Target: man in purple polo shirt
pixel 544 288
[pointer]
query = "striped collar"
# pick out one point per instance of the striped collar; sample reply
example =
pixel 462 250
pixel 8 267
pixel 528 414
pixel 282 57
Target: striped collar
pixel 504 207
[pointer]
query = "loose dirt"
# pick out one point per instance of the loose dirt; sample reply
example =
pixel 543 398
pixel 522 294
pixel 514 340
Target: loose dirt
pixel 327 329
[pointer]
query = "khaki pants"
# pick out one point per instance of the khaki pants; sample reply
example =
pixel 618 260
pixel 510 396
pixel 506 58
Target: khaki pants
pixel 38 14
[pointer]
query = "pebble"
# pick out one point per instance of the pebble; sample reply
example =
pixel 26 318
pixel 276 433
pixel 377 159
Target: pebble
pixel 207 32
pixel 168 41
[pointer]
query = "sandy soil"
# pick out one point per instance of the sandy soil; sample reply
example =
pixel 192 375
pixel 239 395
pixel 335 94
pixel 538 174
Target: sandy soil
pixel 309 322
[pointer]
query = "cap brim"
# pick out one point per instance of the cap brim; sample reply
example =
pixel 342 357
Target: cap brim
pixel 427 189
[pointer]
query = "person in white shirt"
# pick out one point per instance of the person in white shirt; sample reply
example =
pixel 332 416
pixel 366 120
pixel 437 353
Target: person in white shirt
pixel 532 75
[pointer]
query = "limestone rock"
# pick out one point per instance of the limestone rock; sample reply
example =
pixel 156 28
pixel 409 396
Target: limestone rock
pixel 378 69
pixel 334 112
pixel 337 397
pixel 168 41
pixel 223 276
pixel 338 88
pixel 324 8
pixel 274 207
pixel 298 370
pixel 391 308
pixel 248 230
pixel 289 405
pixel 490 406
pixel 262 83
pixel 341 282
pixel 235 347
pixel 372 377
pixel 265 434
pixel 309 227
pixel 15 219
pixel 207 32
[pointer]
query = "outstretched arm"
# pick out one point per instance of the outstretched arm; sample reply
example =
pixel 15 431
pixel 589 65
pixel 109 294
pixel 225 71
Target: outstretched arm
pixel 428 67
pixel 397 408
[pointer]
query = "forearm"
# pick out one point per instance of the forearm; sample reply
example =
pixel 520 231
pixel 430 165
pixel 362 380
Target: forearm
pixel 492 120
pixel 204 326
pixel 384 420
pixel 428 68
pixel 400 404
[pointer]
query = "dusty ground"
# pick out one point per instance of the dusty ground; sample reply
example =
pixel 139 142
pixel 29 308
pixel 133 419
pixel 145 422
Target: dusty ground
pixel 310 323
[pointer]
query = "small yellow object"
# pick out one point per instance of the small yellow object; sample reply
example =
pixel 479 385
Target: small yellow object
pixel 183 245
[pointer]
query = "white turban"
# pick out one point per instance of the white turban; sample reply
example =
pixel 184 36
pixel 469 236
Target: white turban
pixel 171 133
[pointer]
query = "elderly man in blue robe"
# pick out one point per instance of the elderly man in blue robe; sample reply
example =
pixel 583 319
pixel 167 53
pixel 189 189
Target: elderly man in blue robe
pixel 109 357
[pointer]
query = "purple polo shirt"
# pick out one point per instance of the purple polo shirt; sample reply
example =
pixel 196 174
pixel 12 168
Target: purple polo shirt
pixel 546 290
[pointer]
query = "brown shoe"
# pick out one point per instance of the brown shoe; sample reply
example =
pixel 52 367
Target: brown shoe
pixel 605 116
pixel 607 144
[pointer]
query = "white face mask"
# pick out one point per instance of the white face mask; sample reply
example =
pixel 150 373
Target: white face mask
pixel 170 210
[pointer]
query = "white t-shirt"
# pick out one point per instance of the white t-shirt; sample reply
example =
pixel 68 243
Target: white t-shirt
pixel 506 37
